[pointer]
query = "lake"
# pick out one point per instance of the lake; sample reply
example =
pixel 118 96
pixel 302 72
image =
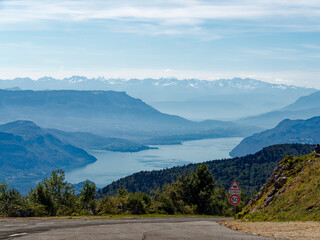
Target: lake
pixel 111 166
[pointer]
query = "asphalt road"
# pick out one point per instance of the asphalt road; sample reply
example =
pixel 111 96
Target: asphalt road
pixel 195 228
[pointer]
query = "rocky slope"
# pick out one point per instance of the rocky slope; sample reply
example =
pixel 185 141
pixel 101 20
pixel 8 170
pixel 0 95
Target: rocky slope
pixel 291 193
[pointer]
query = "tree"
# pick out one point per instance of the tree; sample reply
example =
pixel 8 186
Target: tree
pixel 87 196
pixel 205 188
pixel 189 192
pixel 10 201
pixel 54 194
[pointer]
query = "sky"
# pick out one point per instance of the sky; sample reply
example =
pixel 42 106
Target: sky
pixel 271 40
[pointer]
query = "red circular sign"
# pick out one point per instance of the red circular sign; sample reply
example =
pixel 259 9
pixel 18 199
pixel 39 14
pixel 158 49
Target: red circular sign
pixel 234 199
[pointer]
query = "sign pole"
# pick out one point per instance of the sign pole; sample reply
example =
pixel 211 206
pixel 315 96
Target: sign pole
pixel 234 199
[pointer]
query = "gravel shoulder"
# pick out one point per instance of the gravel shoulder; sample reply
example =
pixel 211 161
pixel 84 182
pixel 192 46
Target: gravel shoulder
pixel 279 230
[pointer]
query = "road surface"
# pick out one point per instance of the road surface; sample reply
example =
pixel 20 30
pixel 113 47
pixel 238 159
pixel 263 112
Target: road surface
pixel 193 228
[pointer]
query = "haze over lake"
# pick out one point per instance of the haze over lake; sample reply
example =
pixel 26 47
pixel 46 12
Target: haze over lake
pixel 111 166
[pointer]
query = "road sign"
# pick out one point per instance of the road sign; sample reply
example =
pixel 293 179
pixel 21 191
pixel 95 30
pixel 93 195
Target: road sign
pixel 234 199
pixel 234 188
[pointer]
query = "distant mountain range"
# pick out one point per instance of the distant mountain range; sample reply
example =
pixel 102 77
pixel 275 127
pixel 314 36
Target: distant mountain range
pixel 304 108
pixel 108 114
pixel 288 131
pixel 190 98
pixel 29 153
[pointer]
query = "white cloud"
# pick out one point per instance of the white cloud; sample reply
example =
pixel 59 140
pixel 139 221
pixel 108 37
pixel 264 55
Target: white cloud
pixel 311 46
pixel 169 14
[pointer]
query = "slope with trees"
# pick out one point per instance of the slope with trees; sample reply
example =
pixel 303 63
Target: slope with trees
pixel 195 193
pixel 250 171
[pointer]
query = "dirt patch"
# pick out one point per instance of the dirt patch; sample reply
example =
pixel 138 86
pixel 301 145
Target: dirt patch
pixel 282 230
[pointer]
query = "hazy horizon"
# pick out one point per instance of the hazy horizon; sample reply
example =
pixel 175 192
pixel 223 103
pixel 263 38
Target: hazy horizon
pixel 272 41
pixel 125 79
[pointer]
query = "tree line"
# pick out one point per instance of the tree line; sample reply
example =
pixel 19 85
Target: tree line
pixel 251 171
pixel 194 193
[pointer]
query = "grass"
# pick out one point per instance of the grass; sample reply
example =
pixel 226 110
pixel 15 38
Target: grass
pixel 300 201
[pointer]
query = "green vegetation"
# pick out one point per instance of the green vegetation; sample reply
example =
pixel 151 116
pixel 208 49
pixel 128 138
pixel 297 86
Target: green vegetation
pixel 291 194
pixel 196 193
pixel 251 171
pixel 10 201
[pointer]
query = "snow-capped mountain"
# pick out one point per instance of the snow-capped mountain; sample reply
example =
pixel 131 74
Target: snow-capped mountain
pixel 190 98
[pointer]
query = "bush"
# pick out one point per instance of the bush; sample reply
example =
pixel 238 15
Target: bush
pixel 138 203
pixel 10 201
pixel 39 211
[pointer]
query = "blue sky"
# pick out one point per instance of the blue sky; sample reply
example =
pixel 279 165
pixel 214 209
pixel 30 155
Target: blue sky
pixel 275 41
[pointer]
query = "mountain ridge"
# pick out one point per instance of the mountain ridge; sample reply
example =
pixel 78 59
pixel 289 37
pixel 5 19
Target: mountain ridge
pixel 106 113
pixel 189 98
pixel 287 131
pixel 303 108
pixel 29 154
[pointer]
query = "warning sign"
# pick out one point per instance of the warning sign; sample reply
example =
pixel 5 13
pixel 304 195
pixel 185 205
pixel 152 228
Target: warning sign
pixel 234 188
pixel 234 199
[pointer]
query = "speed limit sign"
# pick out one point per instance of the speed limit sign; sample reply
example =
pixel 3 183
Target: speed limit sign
pixel 234 199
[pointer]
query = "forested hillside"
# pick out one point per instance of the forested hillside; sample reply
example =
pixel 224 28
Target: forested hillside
pixel 250 171
pixel 196 193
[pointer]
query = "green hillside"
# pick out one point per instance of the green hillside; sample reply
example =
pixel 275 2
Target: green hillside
pixel 250 171
pixel 291 193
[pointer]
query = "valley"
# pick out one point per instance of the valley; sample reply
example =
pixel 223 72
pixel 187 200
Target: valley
pixel 127 135
pixel 111 166
pixel 159 120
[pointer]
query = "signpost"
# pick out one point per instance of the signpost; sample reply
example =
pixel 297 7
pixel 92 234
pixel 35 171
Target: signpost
pixel 234 188
pixel 234 199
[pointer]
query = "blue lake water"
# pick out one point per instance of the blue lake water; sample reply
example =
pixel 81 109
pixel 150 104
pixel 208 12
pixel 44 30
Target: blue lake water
pixel 111 166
